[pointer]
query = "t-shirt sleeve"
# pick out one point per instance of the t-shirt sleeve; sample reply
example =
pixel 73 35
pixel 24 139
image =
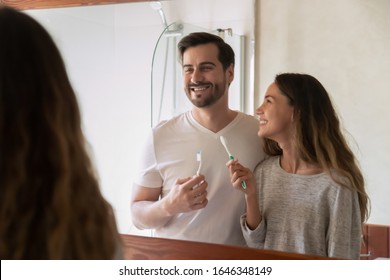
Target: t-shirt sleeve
pixel 148 174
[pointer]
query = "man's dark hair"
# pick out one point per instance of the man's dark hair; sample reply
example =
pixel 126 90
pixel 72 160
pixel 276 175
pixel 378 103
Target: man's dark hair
pixel 225 51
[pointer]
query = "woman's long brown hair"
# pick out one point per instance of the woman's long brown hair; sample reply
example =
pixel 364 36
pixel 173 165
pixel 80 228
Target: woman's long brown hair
pixel 319 139
pixel 50 203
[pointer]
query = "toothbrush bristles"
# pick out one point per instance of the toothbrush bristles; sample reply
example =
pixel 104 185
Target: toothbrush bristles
pixel 223 141
pixel 199 156
pixel 199 159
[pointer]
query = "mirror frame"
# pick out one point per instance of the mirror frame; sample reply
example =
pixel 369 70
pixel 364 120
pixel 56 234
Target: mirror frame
pixel 45 4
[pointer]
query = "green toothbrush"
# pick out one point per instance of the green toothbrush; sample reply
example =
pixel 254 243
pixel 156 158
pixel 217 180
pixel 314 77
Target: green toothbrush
pixel 223 141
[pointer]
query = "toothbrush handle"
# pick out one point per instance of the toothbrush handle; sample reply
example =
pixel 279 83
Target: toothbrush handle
pixel 243 184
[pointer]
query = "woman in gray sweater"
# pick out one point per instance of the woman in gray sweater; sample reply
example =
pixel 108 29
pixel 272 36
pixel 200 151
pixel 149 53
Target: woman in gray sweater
pixel 308 197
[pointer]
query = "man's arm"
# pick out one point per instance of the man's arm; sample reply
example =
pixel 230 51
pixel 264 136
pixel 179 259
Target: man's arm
pixel 150 212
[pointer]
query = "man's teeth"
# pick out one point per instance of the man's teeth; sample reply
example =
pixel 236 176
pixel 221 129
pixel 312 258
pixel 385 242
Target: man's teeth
pixel 199 88
pixel 263 122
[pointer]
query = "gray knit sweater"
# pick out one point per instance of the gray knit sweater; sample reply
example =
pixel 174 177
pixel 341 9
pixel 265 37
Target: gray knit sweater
pixel 307 214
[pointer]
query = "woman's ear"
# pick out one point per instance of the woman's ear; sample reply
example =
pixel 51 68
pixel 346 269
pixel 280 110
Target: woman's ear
pixel 294 115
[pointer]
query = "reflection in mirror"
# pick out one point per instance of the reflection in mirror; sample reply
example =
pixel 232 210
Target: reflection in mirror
pixel 167 95
pixel 346 46
pixel 108 51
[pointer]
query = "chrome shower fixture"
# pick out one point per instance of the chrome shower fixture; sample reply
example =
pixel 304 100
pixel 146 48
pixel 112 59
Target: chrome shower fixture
pixel 222 32
pixel 156 5
pixel 174 30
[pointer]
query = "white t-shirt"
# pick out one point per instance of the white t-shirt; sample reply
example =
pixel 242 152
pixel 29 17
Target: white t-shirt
pixel 170 154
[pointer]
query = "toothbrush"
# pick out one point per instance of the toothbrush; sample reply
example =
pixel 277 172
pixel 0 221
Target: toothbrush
pixel 223 141
pixel 199 159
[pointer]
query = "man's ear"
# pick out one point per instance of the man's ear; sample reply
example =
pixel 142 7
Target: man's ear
pixel 230 73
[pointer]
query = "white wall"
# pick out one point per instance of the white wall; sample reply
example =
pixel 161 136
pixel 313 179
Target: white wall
pixel 108 52
pixel 345 44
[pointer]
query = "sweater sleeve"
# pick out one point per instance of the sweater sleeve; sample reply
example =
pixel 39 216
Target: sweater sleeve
pixel 254 238
pixel 344 231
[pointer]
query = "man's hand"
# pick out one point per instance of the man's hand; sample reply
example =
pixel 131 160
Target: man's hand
pixel 188 194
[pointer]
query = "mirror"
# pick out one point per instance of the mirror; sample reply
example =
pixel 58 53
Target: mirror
pixel 108 51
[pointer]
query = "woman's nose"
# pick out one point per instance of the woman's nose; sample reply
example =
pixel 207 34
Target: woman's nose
pixel 259 110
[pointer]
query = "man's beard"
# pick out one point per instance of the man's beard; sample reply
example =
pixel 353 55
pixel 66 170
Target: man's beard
pixel 209 100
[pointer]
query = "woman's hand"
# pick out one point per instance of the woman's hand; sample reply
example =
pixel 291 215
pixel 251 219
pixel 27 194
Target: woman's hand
pixel 238 174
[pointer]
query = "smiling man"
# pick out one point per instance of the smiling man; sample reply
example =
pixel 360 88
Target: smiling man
pixel 169 194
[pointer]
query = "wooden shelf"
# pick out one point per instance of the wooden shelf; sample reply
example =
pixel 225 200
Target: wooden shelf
pixel 152 248
pixel 376 242
pixel 44 4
